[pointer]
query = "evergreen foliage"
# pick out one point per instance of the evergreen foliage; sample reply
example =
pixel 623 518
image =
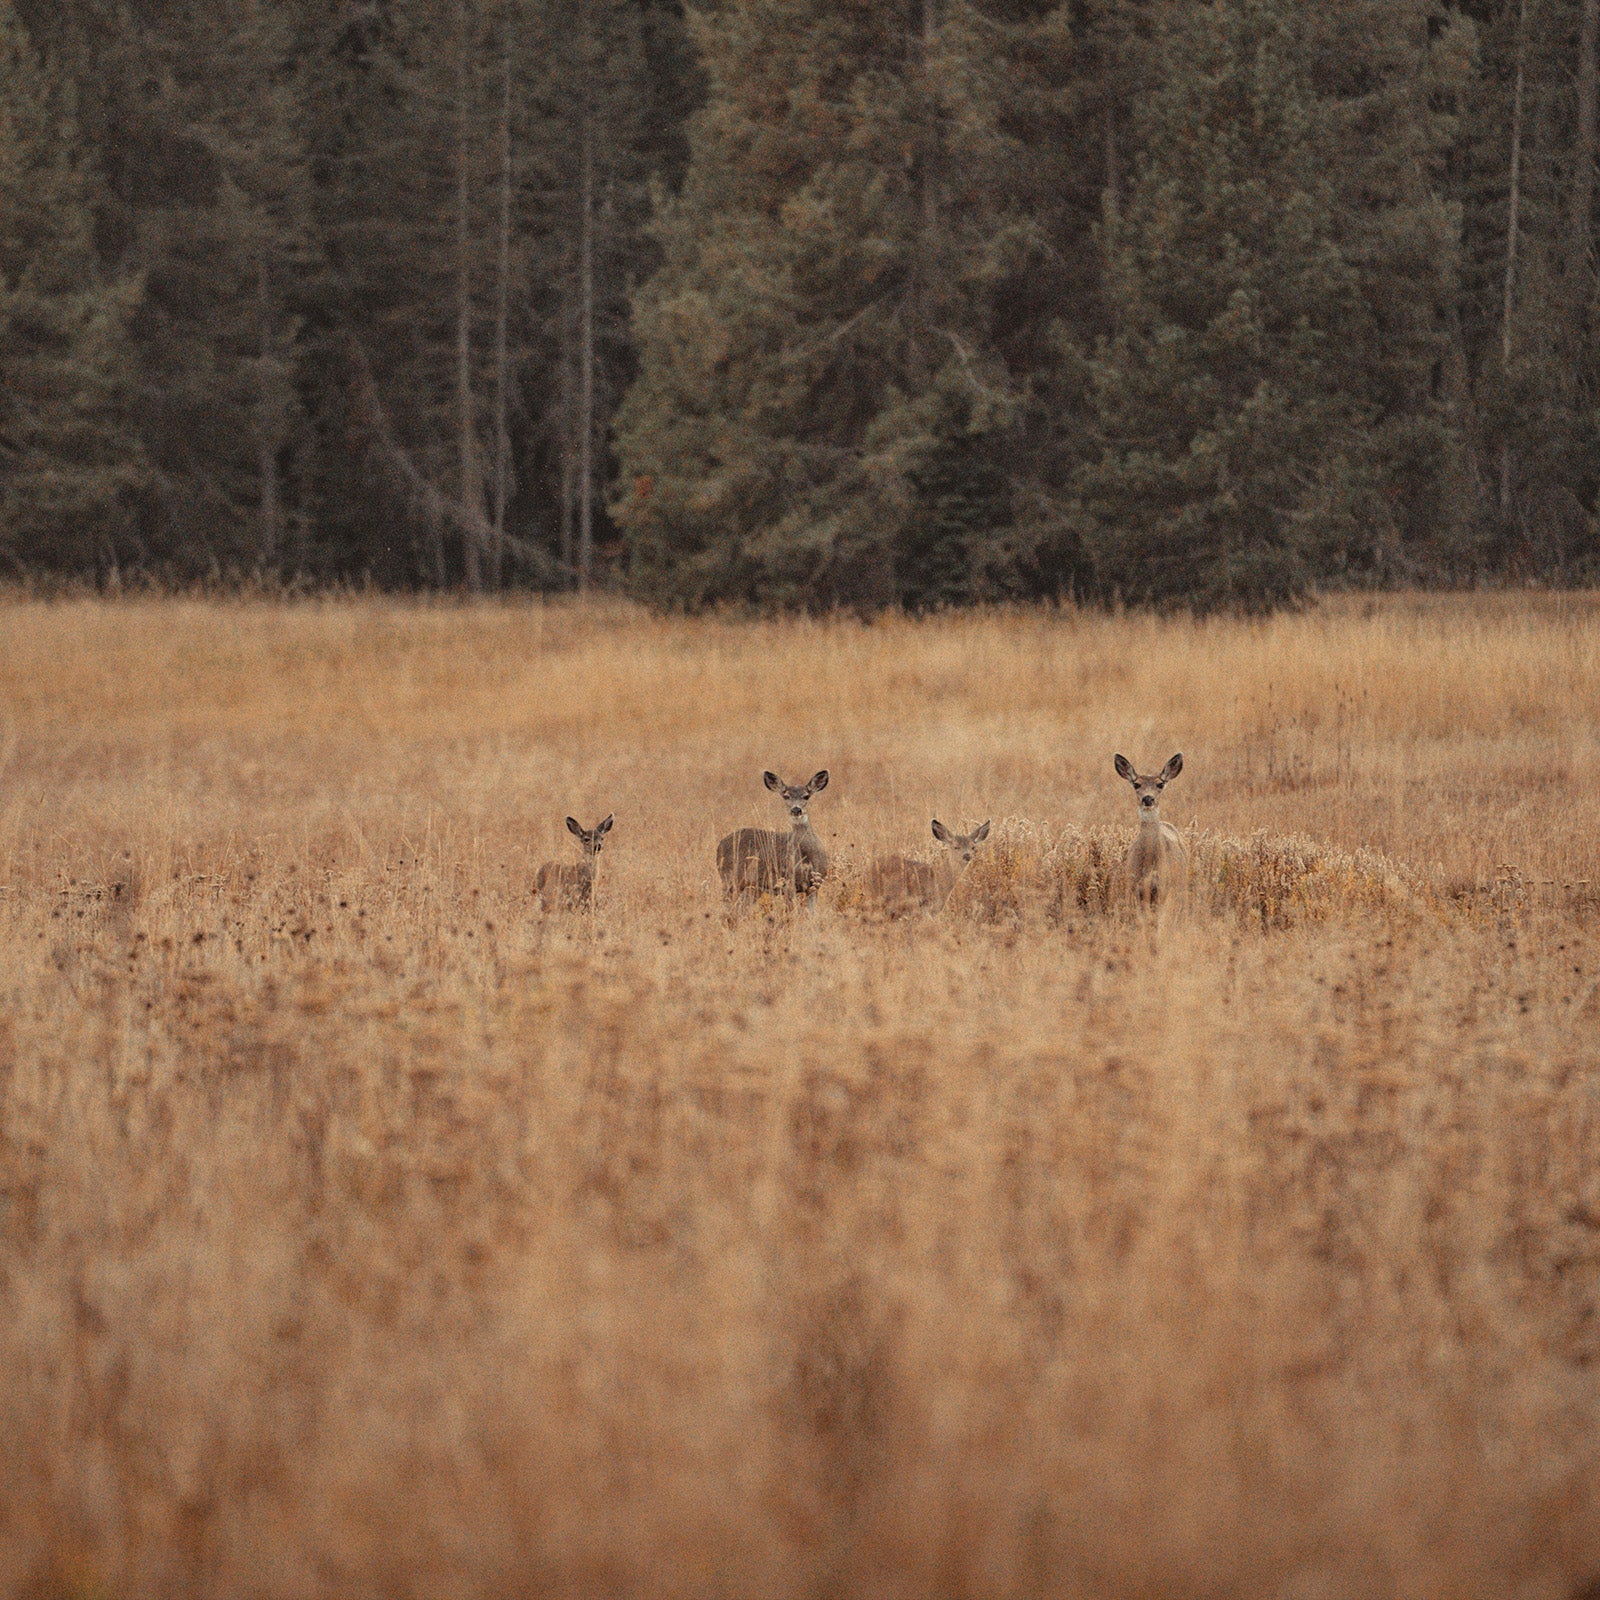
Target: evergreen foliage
pixel 69 469
pixel 1264 404
pixel 802 303
pixel 846 286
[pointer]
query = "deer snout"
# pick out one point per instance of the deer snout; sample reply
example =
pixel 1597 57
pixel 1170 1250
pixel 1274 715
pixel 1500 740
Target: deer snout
pixel 797 811
pixel 1147 801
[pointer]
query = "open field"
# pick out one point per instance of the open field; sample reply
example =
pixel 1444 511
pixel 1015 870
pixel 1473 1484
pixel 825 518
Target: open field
pixel 364 1232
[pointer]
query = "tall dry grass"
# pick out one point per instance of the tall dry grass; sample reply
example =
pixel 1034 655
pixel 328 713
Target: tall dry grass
pixel 364 1232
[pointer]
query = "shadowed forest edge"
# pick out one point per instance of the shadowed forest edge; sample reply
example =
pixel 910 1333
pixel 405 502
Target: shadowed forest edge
pixel 799 303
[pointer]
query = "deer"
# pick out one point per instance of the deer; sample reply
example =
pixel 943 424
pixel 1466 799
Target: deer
pixel 1157 861
pixel 764 860
pixel 568 888
pixel 899 884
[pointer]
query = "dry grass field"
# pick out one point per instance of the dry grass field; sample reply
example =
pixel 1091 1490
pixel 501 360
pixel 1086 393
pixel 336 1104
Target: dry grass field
pixel 365 1232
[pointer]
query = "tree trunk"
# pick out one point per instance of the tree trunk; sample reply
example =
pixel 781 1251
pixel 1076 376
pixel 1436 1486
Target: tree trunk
pixel 930 132
pixel 1113 196
pixel 268 537
pixel 568 425
pixel 1513 207
pixel 922 353
pixel 468 489
pixel 502 310
pixel 1582 198
pixel 586 333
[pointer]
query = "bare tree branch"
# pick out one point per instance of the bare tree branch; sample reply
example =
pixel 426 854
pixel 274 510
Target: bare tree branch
pixel 435 507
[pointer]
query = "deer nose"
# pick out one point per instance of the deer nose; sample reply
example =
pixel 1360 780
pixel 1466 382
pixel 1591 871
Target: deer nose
pixel 1147 799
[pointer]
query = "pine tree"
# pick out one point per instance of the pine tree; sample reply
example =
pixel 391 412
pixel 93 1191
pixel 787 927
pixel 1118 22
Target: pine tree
pixel 254 242
pixel 484 173
pixel 1279 291
pixel 1215 301
pixel 382 109
pixel 69 467
pixel 196 125
pixel 824 339
pixel 1527 310
pixel 611 87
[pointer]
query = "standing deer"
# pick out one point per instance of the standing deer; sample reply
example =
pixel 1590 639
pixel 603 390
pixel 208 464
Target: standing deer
pixel 568 888
pixel 766 861
pixel 899 884
pixel 1157 861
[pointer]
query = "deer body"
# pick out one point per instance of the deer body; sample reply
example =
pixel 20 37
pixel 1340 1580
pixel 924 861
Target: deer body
pixel 571 888
pixel 899 884
pixel 766 861
pixel 1157 861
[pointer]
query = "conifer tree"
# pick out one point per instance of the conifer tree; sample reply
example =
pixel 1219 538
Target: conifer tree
pixel 69 466
pixel 1527 309
pixel 823 338
pixel 383 107
pixel 1279 278
pixel 1213 301
pixel 466 233
pixel 594 163
pixel 194 114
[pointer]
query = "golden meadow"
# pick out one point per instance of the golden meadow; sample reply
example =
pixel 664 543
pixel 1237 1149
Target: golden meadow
pixel 365 1232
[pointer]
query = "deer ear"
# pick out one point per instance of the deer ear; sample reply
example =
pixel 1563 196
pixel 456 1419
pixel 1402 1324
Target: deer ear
pixel 1172 769
pixel 605 827
pixel 772 781
pixel 981 834
pixel 820 781
pixel 1124 767
pixel 940 832
pixel 574 826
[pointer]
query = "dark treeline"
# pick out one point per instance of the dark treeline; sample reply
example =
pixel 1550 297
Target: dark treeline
pixel 801 302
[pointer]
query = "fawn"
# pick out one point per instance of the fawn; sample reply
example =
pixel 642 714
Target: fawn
pixel 766 861
pixel 1157 861
pixel 899 884
pixel 571 888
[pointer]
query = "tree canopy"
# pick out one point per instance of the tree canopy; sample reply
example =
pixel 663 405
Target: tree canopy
pixel 801 303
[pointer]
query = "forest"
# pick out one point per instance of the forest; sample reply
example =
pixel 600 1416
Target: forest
pixel 800 304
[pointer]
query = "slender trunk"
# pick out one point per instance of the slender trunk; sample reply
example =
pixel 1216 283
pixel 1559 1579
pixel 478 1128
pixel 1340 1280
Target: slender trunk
pixel 1468 480
pixel 268 539
pixel 928 45
pixel 568 424
pixel 502 311
pixel 1583 154
pixel 586 338
pixel 930 161
pixel 1113 200
pixel 1513 207
pixel 466 441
